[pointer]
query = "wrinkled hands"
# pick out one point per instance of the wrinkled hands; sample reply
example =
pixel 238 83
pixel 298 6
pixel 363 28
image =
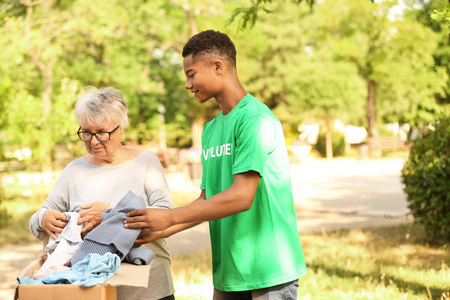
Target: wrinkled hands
pixel 148 236
pixel 53 222
pixel 91 215
pixel 153 222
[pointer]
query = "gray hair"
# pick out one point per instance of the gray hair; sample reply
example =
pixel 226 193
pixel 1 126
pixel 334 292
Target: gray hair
pixel 99 106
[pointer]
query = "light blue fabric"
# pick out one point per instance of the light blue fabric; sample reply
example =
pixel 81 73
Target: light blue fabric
pixel 92 270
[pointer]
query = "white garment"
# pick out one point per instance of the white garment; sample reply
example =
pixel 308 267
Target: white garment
pixel 39 275
pixel 68 242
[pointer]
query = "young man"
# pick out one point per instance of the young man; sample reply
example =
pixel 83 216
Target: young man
pixel 246 187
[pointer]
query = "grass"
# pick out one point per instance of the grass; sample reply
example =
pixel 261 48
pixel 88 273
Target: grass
pixel 371 263
pixel 192 276
pixel 376 263
pixel 22 195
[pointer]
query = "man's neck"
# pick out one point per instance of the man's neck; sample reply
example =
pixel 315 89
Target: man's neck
pixel 230 98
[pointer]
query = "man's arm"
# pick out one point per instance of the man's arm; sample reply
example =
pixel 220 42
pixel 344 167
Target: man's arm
pixel 147 235
pixel 237 198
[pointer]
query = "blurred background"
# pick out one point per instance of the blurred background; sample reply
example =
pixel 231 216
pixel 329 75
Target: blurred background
pixel 352 81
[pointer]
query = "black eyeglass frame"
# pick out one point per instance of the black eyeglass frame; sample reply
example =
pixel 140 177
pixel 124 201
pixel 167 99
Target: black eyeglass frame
pixel 79 133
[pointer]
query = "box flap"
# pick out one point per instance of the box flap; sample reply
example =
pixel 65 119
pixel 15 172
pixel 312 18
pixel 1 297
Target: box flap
pixel 131 275
pixel 31 267
pixel 65 292
pixel 128 274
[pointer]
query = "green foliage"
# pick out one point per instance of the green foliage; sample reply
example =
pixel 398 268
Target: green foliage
pixel 442 15
pixel 395 54
pixel 426 177
pixel 327 88
pixel 11 8
pixel 4 216
pixel 427 16
pixel 338 142
pixel 302 62
pixel 249 15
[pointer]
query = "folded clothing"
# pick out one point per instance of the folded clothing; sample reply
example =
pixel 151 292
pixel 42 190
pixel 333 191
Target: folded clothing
pixel 138 256
pixel 92 270
pixel 111 236
pixel 61 250
pixel 41 274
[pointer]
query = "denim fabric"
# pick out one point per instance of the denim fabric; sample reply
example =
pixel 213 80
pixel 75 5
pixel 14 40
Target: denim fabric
pixel 171 297
pixel 285 291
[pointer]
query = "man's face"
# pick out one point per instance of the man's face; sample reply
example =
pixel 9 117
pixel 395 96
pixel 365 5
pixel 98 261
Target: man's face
pixel 200 78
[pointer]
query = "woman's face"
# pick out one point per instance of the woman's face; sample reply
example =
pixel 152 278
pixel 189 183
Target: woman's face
pixel 106 150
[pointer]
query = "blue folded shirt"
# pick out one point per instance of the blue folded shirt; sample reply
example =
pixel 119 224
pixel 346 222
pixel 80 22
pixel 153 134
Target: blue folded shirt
pixel 92 270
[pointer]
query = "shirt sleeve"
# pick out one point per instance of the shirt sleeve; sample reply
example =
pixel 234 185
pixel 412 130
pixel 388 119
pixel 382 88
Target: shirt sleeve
pixel 254 142
pixel 156 187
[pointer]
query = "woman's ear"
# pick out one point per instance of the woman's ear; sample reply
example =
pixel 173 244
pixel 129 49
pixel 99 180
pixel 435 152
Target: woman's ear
pixel 122 133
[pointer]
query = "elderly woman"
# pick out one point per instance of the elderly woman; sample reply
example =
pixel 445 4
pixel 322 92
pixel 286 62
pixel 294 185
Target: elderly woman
pixel 97 181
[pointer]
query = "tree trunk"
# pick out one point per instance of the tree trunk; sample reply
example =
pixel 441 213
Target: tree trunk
pixel 197 123
pixel 196 132
pixel 192 23
pixel 46 69
pixel 371 113
pixel 328 138
pixel 371 109
pixel 47 92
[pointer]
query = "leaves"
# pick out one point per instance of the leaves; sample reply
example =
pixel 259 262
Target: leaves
pixel 442 15
pixel 301 62
pixel 426 175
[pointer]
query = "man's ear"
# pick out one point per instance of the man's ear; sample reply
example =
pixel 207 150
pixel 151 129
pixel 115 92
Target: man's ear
pixel 218 66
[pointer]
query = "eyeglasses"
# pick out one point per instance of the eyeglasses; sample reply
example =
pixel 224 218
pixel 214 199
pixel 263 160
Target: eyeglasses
pixel 102 136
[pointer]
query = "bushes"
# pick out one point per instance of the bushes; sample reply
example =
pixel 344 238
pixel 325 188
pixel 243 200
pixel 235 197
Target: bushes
pixel 4 217
pixel 338 142
pixel 426 176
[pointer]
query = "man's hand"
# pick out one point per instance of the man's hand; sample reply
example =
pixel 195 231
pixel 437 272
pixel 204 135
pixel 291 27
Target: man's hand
pixel 152 218
pixel 92 215
pixel 157 223
pixel 53 222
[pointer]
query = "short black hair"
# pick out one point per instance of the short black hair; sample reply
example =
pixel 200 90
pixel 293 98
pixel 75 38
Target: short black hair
pixel 210 42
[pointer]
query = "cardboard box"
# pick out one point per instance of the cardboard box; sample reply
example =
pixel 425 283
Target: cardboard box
pixel 128 275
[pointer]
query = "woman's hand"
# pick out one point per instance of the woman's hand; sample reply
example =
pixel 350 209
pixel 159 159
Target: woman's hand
pixel 53 222
pixel 148 236
pixel 92 215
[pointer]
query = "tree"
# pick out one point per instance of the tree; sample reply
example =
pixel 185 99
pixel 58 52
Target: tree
pixel 248 15
pixel 442 15
pixel 381 47
pixel 270 55
pixel 434 14
pixel 330 89
pixel 278 65
pixel 34 34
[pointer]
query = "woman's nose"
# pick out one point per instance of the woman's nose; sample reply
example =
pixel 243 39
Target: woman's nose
pixel 94 139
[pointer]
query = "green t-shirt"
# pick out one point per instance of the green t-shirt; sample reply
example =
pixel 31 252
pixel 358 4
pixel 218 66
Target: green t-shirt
pixel 260 247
